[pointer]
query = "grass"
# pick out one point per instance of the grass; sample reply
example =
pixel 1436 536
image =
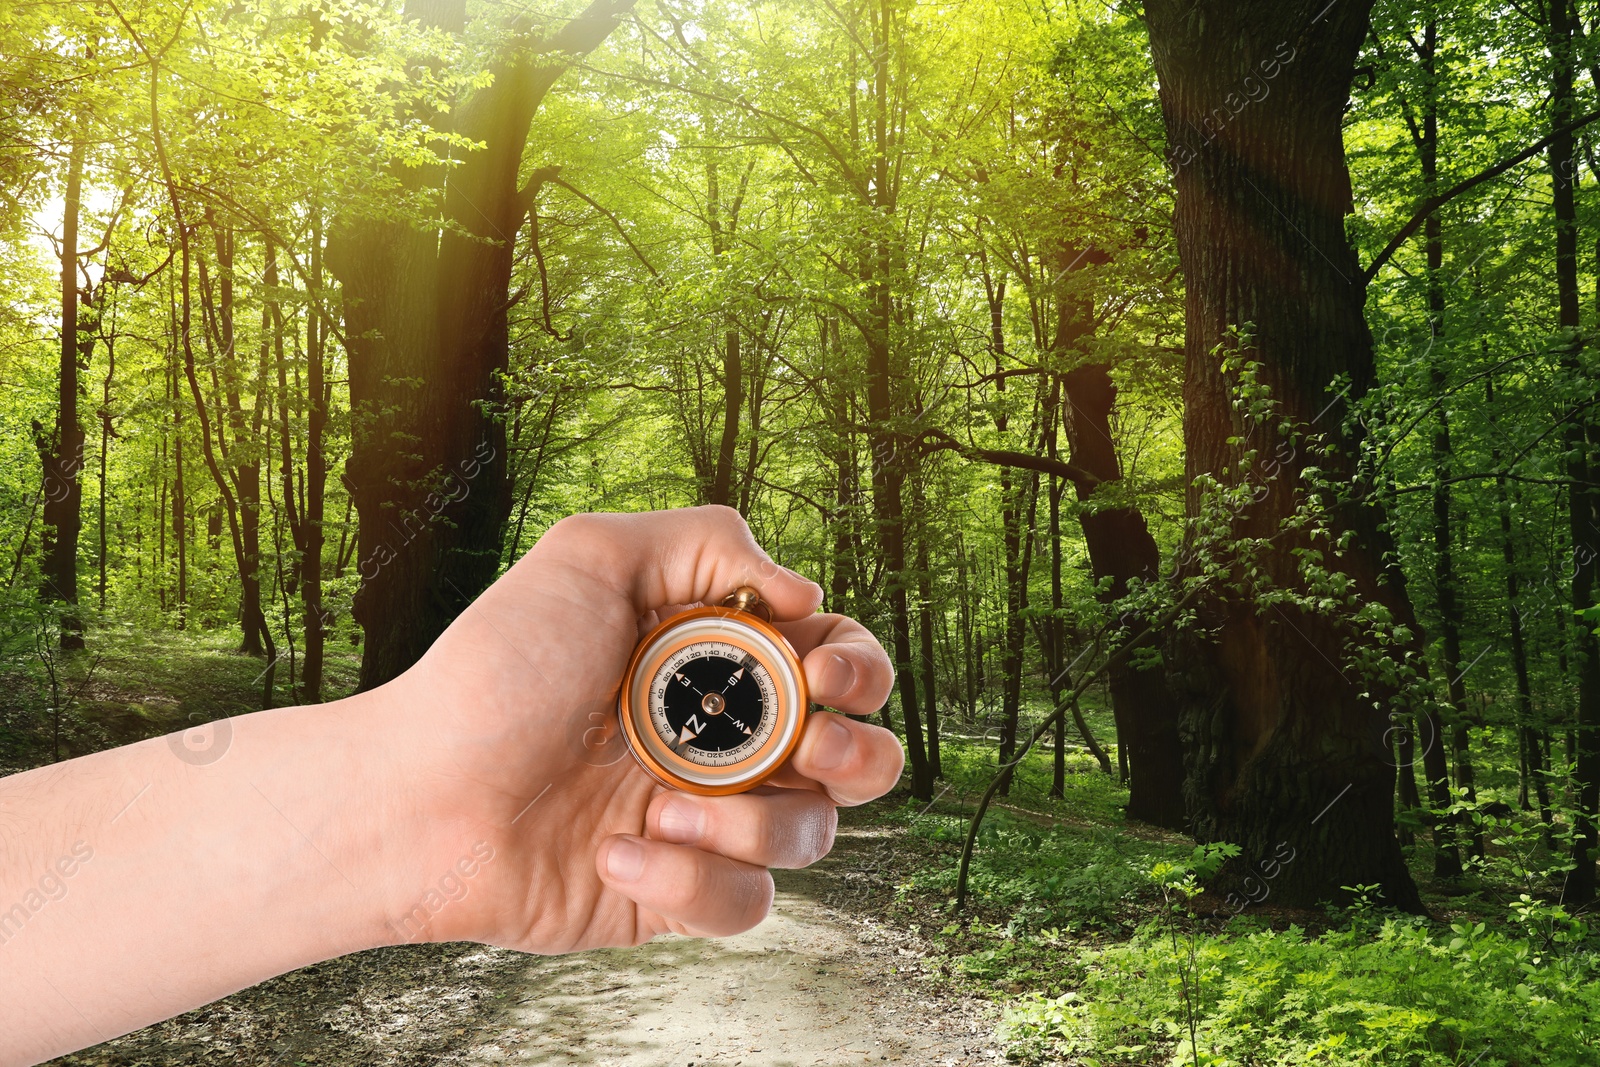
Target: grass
pixel 1067 930
pixel 132 683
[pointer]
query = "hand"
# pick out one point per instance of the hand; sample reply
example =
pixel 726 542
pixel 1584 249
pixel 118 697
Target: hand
pixel 505 746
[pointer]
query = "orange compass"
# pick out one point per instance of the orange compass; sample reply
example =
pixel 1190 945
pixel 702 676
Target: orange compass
pixel 714 700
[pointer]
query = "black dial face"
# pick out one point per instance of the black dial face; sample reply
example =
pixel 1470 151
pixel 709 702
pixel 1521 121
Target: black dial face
pixel 712 703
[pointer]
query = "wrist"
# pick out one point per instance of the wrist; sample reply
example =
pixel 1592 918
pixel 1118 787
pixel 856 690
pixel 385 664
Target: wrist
pixel 400 814
pixel 319 785
pixel 367 788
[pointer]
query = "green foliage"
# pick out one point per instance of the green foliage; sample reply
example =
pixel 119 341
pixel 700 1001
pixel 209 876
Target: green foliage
pixel 1088 794
pixel 1048 876
pixel 1403 996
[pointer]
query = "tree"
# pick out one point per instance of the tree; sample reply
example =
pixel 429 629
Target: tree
pixel 61 452
pixel 426 306
pixel 1279 730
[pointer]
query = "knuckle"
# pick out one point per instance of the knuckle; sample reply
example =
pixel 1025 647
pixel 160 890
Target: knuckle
pixel 574 529
pixel 723 515
pixel 680 895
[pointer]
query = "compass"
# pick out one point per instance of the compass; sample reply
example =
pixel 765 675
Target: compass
pixel 714 699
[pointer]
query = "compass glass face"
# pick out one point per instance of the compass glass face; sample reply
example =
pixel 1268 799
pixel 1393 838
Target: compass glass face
pixel 713 703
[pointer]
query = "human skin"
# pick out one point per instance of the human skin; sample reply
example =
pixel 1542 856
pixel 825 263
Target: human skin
pixel 481 796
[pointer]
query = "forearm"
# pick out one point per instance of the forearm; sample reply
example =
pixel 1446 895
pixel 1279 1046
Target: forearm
pixel 138 883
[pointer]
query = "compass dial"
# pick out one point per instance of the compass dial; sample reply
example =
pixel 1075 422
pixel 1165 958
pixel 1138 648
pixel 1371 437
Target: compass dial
pixel 709 701
pixel 714 701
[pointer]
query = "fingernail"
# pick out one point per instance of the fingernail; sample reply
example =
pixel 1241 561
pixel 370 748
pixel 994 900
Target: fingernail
pixel 837 676
pixel 681 822
pixel 832 746
pixel 625 861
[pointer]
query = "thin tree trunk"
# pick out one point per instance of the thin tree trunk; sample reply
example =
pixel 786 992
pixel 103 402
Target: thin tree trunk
pixel 1122 550
pixel 1584 522
pixel 319 398
pixel 1052 630
pixel 886 401
pixel 107 434
pixel 719 492
pixel 925 631
pixel 1425 136
pixel 1011 540
pixel 179 517
pixel 62 453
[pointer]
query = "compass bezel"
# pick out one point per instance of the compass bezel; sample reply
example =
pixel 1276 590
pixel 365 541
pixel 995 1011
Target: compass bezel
pixel 755 637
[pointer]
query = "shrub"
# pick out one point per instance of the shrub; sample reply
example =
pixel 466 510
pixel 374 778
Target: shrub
pixel 1399 995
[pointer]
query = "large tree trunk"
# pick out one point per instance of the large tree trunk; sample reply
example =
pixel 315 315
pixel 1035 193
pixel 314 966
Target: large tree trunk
pixel 426 328
pixel 1281 743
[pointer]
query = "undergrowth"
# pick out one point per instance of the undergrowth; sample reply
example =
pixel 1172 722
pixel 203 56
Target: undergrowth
pixel 1402 994
pixel 1081 927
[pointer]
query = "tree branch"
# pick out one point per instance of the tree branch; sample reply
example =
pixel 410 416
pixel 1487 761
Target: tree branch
pixel 939 441
pixel 587 199
pixel 1434 203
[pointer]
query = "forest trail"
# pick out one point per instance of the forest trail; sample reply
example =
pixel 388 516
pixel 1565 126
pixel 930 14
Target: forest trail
pixel 814 984
pixel 808 986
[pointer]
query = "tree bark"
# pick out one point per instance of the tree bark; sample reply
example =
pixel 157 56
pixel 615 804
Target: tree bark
pixel 1122 549
pixel 1583 500
pixel 108 434
pixel 1281 744
pixel 1053 631
pixel 1532 740
pixel 925 624
pixel 428 341
pixel 319 397
pixel 720 490
pixel 1425 137
pixel 62 453
pixel 1015 633
pixel 891 451
pixel 239 460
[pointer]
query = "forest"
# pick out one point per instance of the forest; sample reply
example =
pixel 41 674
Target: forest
pixel 1197 399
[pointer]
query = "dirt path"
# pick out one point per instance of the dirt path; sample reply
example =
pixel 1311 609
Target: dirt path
pixel 808 986
pixel 812 985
